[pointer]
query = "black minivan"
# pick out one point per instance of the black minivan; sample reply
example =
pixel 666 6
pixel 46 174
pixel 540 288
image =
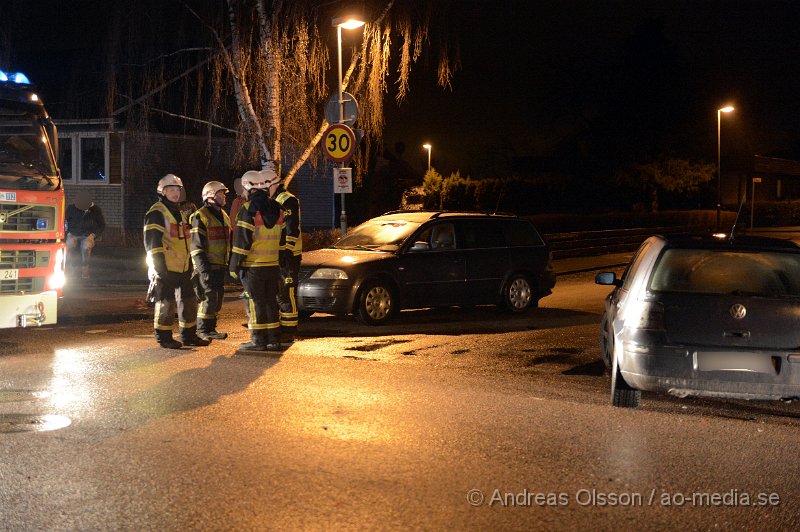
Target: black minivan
pixel 416 259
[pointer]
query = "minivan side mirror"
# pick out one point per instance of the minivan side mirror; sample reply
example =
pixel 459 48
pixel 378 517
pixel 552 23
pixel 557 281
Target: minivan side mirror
pixel 607 278
pixel 420 246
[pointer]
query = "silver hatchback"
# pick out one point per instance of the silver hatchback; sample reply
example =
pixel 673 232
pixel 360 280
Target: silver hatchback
pixel 706 316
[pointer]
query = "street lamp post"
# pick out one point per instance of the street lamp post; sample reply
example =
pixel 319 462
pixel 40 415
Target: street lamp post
pixel 726 109
pixel 428 147
pixel 348 23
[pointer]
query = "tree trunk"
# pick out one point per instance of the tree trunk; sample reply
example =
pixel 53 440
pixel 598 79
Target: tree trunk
pixel 273 63
pixel 245 105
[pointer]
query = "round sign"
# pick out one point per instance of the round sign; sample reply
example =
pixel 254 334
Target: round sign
pixel 339 142
pixel 349 105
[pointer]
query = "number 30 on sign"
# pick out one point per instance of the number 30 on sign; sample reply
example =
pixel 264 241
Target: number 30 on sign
pixel 339 142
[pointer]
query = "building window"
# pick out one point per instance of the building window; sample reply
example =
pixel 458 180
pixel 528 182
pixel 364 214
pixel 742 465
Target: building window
pixel 93 159
pixel 84 157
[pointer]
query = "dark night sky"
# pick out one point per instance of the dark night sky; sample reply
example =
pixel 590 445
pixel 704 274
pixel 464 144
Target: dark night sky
pixel 534 71
pixel 537 75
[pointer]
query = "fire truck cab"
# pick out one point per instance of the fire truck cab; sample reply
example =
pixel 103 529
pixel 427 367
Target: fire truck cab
pixel 32 253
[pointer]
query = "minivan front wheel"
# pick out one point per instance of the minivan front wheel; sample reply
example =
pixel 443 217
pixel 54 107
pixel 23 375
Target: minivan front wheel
pixel 376 303
pixel 518 294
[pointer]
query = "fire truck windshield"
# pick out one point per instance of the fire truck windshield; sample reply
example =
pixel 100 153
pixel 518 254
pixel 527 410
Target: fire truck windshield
pixel 26 156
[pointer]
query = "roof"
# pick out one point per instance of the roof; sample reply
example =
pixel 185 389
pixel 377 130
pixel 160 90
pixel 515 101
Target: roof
pixel 746 243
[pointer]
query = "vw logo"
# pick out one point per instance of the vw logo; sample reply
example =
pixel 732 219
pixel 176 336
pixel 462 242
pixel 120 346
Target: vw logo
pixel 737 311
pixel 3 217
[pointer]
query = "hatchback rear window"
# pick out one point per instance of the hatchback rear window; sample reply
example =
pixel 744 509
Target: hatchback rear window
pixel 707 271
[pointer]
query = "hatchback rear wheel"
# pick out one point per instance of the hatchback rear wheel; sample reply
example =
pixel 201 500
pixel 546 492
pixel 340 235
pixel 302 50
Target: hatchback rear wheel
pixel 376 303
pixel 622 394
pixel 518 294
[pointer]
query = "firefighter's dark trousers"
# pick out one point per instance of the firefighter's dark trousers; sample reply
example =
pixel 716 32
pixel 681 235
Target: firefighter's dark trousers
pixel 213 285
pixel 175 293
pixel 262 285
pixel 287 299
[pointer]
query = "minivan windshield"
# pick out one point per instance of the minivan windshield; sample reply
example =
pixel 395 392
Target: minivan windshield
pixel 378 234
pixel 26 160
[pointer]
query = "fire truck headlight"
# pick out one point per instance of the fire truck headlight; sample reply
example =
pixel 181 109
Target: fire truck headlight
pixel 58 279
pixel 41 224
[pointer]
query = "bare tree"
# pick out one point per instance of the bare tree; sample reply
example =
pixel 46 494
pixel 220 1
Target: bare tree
pixel 271 57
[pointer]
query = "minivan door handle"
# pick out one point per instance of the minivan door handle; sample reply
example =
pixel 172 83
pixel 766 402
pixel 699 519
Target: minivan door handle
pixel 736 334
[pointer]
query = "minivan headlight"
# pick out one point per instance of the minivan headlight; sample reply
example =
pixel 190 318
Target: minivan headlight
pixel 329 273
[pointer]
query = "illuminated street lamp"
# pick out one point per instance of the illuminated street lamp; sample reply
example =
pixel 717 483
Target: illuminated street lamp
pixel 348 23
pixel 428 147
pixel 726 109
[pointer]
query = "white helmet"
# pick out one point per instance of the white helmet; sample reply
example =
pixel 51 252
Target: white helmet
pixel 270 176
pixel 253 179
pixel 211 188
pixel 169 180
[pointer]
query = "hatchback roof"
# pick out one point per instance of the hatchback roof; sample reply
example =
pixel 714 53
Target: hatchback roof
pixel 752 243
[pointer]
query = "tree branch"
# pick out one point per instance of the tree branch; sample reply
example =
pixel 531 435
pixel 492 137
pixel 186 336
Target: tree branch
pixel 345 80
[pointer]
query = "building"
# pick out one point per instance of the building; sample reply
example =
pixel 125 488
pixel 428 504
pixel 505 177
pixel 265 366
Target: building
pixel 121 168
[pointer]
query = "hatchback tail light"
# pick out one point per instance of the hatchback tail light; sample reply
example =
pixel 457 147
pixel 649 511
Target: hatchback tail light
pixel 645 315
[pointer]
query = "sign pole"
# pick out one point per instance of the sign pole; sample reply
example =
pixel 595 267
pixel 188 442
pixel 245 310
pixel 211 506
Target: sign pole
pixel 753 201
pixel 343 216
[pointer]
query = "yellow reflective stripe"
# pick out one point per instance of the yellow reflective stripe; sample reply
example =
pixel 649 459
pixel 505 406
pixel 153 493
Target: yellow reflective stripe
pixel 239 251
pixel 260 264
pixel 263 326
pixel 184 325
pixel 252 314
pixel 156 250
pixel 242 223
pixel 156 227
pixel 206 316
pixel 198 230
pixel 197 252
pixel 261 252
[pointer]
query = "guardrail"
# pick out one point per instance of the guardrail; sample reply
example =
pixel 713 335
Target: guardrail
pixel 587 243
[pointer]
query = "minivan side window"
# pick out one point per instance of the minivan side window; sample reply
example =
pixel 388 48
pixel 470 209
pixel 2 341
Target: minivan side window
pixel 520 233
pixel 484 234
pixel 443 236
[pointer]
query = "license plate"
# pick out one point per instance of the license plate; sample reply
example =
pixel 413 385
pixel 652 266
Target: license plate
pixel 726 361
pixel 9 275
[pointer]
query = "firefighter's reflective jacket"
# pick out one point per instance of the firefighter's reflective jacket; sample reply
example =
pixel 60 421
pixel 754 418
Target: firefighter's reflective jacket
pixel 166 238
pixel 211 238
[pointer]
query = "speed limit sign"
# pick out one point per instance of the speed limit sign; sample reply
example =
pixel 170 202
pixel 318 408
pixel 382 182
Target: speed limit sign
pixel 339 142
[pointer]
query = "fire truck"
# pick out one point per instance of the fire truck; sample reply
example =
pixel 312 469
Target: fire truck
pixel 32 254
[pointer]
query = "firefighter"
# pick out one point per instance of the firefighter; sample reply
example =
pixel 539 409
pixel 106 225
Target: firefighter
pixel 290 254
pixel 211 250
pixel 254 260
pixel 166 239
